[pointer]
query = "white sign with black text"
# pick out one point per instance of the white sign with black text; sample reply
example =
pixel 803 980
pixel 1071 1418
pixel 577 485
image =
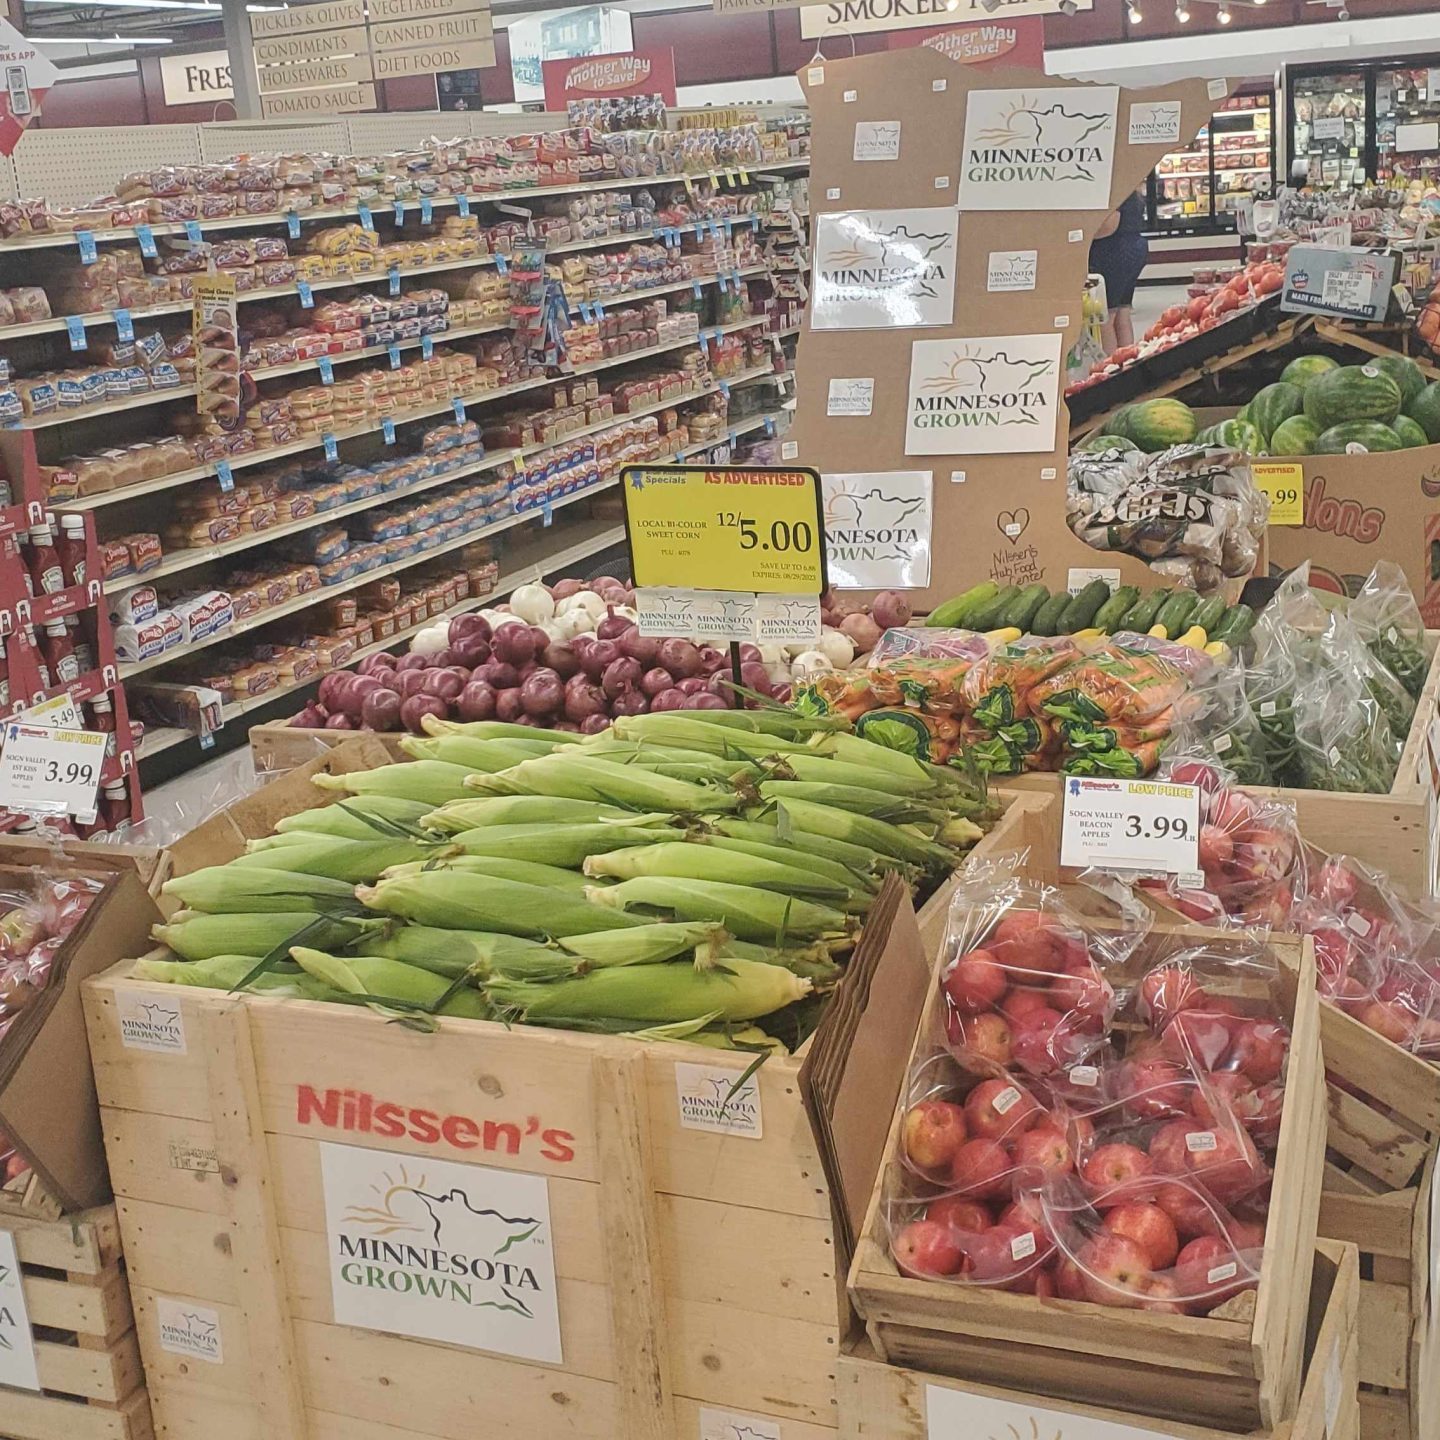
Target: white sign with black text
pixel 17 1344
pixel 850 395
pixel 877 529
pixel 884 269
pixel 1130 825
pixel 1155 122
pixel 877 140
pixel 1011 270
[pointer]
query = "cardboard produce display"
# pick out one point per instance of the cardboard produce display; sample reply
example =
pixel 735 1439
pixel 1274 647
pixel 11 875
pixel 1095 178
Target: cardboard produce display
pixel 953 213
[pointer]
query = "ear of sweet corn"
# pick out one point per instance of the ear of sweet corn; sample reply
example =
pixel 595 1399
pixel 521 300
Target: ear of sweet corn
pixel 337 858
pixel 582 777
pixel 647 944
pixel 852 880
pixel 746 912
pixel 383 980
pixel 472 952
pixel 432 781
pixel 223 972
pixel 225 889
pixel 486 755
pixel 557 844
pixel 462 815
pixel 528 872
pixel 898 810
pixel 827 820
pixel 361 817
pixel 200 937
pixel 689 732
pixel 700 862
pixel 765 829
pixel 887 784
pixel 498 730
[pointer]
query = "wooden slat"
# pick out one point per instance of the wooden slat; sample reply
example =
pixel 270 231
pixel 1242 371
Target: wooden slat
pixel 82 1244
pixel 1371 1140
pixel 1384 1417
pixel 44 1417
pixel 109 1374
pixel 1378 1224
pixel 1399 1080
pixel 1386 1322
pixel 101 1310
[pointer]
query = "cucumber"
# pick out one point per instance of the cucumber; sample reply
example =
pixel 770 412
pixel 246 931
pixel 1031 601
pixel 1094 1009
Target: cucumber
pixel 1023 611
pixel 1110 614
pixel 1207 614
pixel 1047 617
pixel 987 616
pixel 1235 628
pixel 1080 612
pixel 1175 612
pixel 951 614
pixel 1141 615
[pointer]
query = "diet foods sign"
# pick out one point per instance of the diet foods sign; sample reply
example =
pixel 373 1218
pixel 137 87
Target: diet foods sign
pixel 998 395
pixel 461 1254
pixel 877 529
pixel 877 269
pixel 1039 149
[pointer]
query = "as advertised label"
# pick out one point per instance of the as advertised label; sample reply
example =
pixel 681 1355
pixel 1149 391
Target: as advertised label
pixel 190 1330
pixel 990 396
pixel 850 396
pixel 148 1023
pixel 1011 270
pixel 1284 483
pixel 727 1425
pixel 1155 122
pixel 1130 825
pixel 964 1415
pixel 709 1099
pixel 877 140
pixel 1042 149
pixel 877 529
pixel 17 1344
pixel 461 1254
pixel 883 269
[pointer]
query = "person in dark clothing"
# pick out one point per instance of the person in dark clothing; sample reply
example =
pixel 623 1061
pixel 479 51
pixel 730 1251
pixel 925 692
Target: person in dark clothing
pixel 1119 253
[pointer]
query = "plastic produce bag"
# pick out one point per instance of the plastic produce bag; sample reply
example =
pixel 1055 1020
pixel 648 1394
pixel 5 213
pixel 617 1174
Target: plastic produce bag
pixel 35 921
pixel 1112 685
pixel 927 644
pixel 1219 725
pixel 1388 620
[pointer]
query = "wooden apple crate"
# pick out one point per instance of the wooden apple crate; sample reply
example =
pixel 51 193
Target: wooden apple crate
pixel 1397 834
pixel 694 1269
pixel 278 746
pixel 86 1351
pixel 1238 1367
pixel 885 1402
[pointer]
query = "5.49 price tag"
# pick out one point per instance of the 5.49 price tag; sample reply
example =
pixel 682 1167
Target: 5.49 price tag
pixel 1130 825
pixel 46 771
pixel 1285 486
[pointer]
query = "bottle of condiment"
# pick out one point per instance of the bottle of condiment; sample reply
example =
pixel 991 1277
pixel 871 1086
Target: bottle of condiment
pixel 84 650
pixel 71 545
pixel 102 718
pixel 4 677
pixel 46 571
pixel 59 653
pixel 114 813
pixel 38 652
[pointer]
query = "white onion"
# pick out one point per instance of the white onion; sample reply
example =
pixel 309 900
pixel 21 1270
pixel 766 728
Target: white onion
pixel 431 638
pixel 836 646
pixel 773 655
pixel 502 618
pixel 810 664
pixel 572 623
pixel 585 600
pixel 532 603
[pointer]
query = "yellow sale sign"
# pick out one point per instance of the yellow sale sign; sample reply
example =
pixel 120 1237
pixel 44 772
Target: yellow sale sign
pixel 1285 485
pixel 739 528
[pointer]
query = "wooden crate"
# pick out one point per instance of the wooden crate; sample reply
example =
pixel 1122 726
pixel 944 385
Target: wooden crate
pixel 1397 834
pixel 278 746
pixel 86 1352
pixel 1238 1367
pixel 885 1402
pixel 694 1269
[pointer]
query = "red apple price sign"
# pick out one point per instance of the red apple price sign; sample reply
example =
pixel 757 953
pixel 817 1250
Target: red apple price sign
pixel 1131 825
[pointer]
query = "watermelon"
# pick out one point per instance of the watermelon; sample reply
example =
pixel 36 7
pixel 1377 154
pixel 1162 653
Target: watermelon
pixel 1424 409
pixel 1411 432
pixel 1241 435
pixel 1157 424
pixel 1352 393
pixel 1295 436
pixel 1102 444
pixel 1117 423
pixel 1305 368
pixel 1274 405
pixel 1404 372
pixel 1243 413
pixel 1369 435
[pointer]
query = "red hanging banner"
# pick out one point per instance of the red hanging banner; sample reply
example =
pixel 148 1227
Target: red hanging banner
pixel 602 77
pixel 1019 41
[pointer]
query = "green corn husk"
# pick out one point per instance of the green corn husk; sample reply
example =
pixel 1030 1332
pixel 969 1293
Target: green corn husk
pixel 432 781
pixel 462 815
pixel 334 857
pixel 235 889
pixel 688 732
pixel 452 900
pixel 473 952
pixel 582 777
pixel 852 880
pixel 747 913
pixel 647 944
pixel 200 937
pixel 823 770
pixel 386 980
pixel 527 872
pixel 743 1037
pixel 565 845
pixel 224 972
pixel 813 962
pixel 498 730
pixel 766 831
pixel 827 821
pixel 362 817
pixel 859 801
pixel 736 990
pixel 960 833
pixel 665 759
pixel 772 719
pixel 682 861
pixel 486 755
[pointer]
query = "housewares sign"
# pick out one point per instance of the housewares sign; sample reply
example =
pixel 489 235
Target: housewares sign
pixel 861 17
pixel 882 269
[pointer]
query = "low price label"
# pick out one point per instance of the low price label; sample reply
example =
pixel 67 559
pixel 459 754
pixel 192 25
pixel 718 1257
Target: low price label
pixel 1130 825
pixel 1285 487
pixel 49 771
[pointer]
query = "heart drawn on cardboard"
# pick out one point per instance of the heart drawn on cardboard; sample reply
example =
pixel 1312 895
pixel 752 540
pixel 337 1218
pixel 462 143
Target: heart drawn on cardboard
pixel 1012 523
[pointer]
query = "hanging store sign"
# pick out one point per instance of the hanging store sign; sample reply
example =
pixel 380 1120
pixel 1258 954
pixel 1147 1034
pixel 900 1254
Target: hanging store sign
pixel 1009 42
pixel 877 529
pixel 305 104
pixel 196 79
pixel 319 45
pixel 28 79
pixel 863 17
pixel 599 77
pixel 880 269
pixel 351 70
pixel 332 15
pixel 384 12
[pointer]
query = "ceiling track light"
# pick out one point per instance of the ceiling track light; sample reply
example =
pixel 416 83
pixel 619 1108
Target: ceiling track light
pixel 1132 13
pixel 1182 15
pixel 1224 15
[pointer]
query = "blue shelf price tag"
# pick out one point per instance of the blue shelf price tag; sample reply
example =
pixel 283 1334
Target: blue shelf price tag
pixel 86 241
pixel 586 313
pixel 75 329
pixel 427 210
pixel 387 428
pixel 394 279
pixel 695 286
pixel 427 347
pixel 332 448
pixel 502 264
pixel 724 389
pixel 599 312
pixel 124 327
pixel 225 475
pixel 394 357
pixel 327 371
pixel 724 284
pixel 549 514
pixel 729 226
pixel 735 279
pixel 367 220
pixel 193 233
pixel 292 224
pixel 463 202
pixel 399 212
pixel 754 222
pixel 307 296
pixel 207 741
pixel 458 406
pixel 769 426
pixel 147 241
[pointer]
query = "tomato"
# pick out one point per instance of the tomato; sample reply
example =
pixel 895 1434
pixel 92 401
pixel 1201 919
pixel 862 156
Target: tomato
pixel 1173 316
pixel 1224 303
pixel 1196 308
pixel 1125 353
pixel 1270 282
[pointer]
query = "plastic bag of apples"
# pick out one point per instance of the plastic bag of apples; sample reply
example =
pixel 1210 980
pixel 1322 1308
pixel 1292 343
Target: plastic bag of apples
pixel 34 924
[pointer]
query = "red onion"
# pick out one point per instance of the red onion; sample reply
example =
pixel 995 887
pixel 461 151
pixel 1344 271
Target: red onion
pixel 599 655
pixel 540 637
pixel 442 657
pixel 463 671
pixel 444 684
pixel 339 722
pixel 567 725
pixel 652 682
pixel 508 705
pixel 355 692
pixel 705 701
pixel 890 610
pixel 543 692
pixel 679 657
pixel 513 643
pixel 629 702
pixel 409 682
pixel 582 642
pixel 498 674
pixel 330 685
pixel 527 670
pixel 862 632
pixel 414 710
pixel 582 700
pixel 712 660
pixel 753 677
pixel 609 581
pixel 476 702
pixel 413 661
pixel 692 685
pixel 750 652
pixel 613 626
pixel 381 710
pixel 468 627
pixel 781 693
pixel 560 658
pixel 470 650
pixel 563 590
pixel 310 718
pixel 620 675
pixel 371 663
pixel 644 648
pixel 671 699
pixel 594 724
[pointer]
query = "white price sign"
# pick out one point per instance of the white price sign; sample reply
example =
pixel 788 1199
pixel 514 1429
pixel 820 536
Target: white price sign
pixel 17 1343
pixel 48 771
pixel 1131 825
pixel 1347 289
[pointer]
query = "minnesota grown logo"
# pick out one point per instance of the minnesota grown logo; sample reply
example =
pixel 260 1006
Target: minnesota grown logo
pixel 150 1024
pixel 877 529
pixel 878 269
pixel 983 397
pixel 1047 149
pixel 441 1251
pixel 190 1330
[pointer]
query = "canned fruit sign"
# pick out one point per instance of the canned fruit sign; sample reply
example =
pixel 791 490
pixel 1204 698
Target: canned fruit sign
pixel 599 77
pixel 884 269
pixel 461 1254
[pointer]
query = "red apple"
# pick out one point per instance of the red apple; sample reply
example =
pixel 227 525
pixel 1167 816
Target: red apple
pixel 926 1248
pixel 1197 1039
pixel 1069 1282
pixel 1258 1048
pixel 996 1108
pixel 1114 1165
pixel 1208 1271
pixel 1166 991
pixel 1163 1297
pixel 1021 1002
pixel 1114 1271
pixel 1084 989
pixel 1246 1234
pixel 1220 1096
pixel 933 1131
pixel 1026 940
pixel 1153 1089
pixel 1388 1020
pixel 1231 1169
pixel 1189 1212
pixel 986 1039
pixel 1150 1228
pixel 1215 848
pixel 958 1214
pixel 981 1169
pixel 1037 1044
pixel 1044 1148
pixel 1044 1283
pixel 975 982
pixel 1167 1146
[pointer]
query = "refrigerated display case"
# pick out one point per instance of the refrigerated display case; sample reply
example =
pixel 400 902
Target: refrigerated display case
pixel 1197 188
pixel 1407 122
pixel 1328 107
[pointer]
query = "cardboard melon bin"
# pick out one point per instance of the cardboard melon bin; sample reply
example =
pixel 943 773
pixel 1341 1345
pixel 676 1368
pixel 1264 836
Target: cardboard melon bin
pixel 932 357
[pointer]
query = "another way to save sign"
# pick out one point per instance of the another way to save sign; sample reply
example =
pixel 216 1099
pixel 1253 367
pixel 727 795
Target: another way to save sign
pixel 1131 825
pixel 726 552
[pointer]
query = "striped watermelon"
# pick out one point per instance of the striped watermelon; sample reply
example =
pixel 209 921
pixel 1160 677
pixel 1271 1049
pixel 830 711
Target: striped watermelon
pixel 1411 433
pixel 1352 393
pixel 1404 372
pixel 1367 436
pixel 1104 444
pixel 1273 405
pixel 1158 424
pixel 1239 435
pixel 1305 368
pixel 1295 436
pixel 1425 410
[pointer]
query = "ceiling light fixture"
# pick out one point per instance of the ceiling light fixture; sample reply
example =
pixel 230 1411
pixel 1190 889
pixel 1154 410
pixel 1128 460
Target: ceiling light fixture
pixel 127 42
pixel 1181 13
pixel 1132 13
pixel 1224 15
